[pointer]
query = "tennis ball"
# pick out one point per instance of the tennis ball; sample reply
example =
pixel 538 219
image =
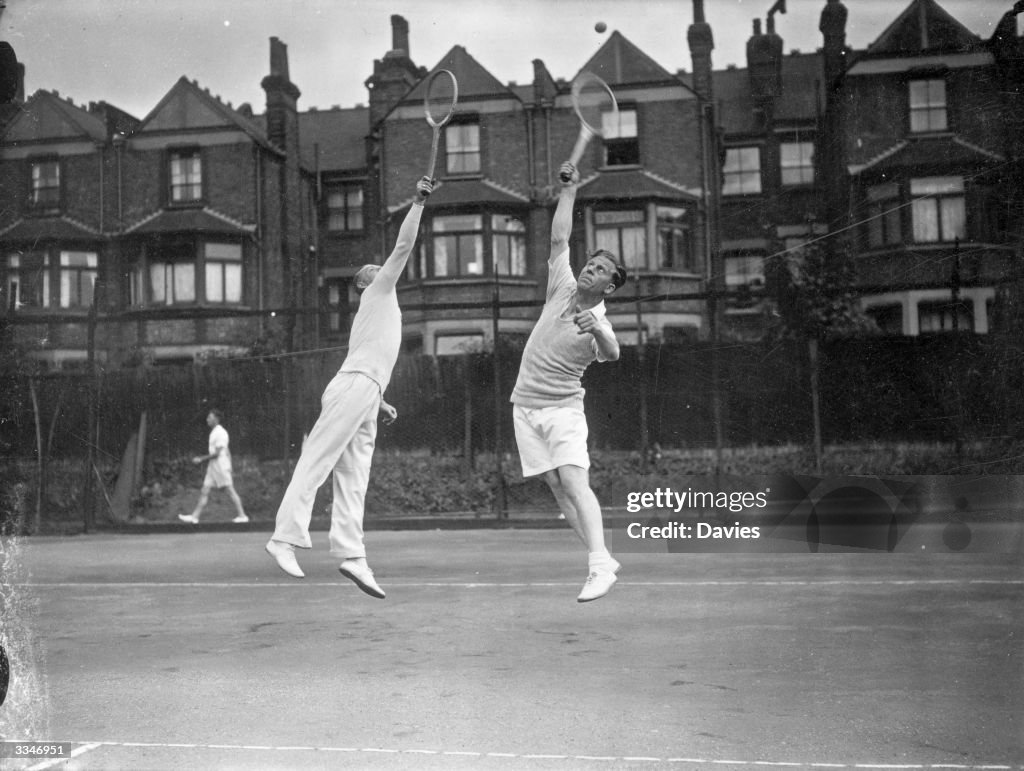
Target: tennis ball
pixel 600 26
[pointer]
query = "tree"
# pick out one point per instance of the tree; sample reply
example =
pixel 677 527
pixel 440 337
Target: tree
pixel 815 301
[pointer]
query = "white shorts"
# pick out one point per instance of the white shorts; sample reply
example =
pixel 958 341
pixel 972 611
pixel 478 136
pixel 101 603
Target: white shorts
pixel 217 477
pixel 550 437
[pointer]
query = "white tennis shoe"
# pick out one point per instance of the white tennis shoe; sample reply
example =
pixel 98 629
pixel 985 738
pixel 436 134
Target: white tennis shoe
pixel 284 554
pixel 359 573
pixel 599 582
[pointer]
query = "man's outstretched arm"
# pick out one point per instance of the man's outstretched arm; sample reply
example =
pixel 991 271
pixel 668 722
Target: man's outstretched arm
pixel 394 266
pixel 561 223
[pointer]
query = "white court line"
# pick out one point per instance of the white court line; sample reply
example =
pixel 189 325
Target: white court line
pixel 516 585
pixel 73 754
pixel 88 746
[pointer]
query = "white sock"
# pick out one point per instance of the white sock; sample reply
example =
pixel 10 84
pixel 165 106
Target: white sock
pixel 597 559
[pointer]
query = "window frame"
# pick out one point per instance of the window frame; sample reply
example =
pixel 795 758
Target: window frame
pixel 179 257
pixel 50 203
pixel 804 167
pixel 225 264
pixel 621 149
pixel 40 281
pixel 934 108
pixel 484 242
pixel 176 154
pixel 754 279
pixel 944 311
pixel 688 262
pixel 938 201
pixel 457 150
pixel 352 214
pixel 620 227
pixel 884 208
pixel 741 172
pixel 78 277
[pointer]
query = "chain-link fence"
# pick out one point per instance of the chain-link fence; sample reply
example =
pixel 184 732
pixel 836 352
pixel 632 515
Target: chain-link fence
pixel 454 432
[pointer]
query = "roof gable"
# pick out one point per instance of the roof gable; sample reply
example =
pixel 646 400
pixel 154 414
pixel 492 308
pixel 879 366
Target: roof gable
pixel 924 26
pixel 45 116
pixel 475 81
pixel 618 62
pixel 186 107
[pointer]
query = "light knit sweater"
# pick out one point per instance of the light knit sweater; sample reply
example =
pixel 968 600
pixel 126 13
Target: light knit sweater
pixel 556 353
pixel 376 335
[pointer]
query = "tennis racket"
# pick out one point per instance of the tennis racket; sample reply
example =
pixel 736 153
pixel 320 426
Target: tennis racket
pixel 596 108
pixel 439 105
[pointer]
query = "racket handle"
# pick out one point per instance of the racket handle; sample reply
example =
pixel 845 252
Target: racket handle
pixel 577 150
pixel 433 153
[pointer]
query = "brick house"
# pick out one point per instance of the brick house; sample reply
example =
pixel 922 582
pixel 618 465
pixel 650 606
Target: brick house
pixel 205 229
pixel 190 228
pixel 909 150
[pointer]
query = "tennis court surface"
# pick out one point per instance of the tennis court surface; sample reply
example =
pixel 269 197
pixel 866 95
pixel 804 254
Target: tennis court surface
pixel 193 650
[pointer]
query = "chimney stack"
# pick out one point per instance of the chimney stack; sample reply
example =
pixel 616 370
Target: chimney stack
pixel 399 34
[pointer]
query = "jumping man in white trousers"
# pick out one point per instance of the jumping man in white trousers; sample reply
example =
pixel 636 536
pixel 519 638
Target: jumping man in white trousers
pixel 342 440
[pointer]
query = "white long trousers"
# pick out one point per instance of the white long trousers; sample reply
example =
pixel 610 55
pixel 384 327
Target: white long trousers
pixel 341 444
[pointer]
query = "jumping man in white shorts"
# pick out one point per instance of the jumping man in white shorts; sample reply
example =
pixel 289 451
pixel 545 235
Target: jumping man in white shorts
pixel 342 440
pixel 550 425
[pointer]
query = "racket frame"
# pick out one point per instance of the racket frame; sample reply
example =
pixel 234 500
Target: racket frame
pixel 586 130
pixel 434 124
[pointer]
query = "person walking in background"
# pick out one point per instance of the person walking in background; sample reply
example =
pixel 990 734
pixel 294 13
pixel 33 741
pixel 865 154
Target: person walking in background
pixel 218 471
pixel 550 425
pixel 342 440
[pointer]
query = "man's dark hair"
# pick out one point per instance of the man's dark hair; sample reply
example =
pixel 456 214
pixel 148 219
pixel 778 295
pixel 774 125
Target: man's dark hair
pixel 619 276
pixel 217 414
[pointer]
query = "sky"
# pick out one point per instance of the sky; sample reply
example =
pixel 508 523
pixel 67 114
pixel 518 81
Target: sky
pixel 130 53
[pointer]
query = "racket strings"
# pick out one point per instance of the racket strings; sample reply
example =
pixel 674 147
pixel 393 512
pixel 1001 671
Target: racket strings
pixel 595 106
pixel 440 99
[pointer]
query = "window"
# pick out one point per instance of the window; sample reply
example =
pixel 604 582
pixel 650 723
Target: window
pixel 28 280
pixel 888 318
pixel 884 221
pixel 744 271
pixel 624 234
pixel 172 280
pixel 186 173
pixel 942 316
pixel 45 184
pixel 458 245
pixel 741 174
pixel 675 246
pixel 508 239
pixel 797 162
pixel 181 272
pixel 938 209
pixel 77 279
pixel 345 208
pixel 223 273
pixel 462 142
pixel 927 105
pixel 337 305
pixel 466 245
pixel 621 145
